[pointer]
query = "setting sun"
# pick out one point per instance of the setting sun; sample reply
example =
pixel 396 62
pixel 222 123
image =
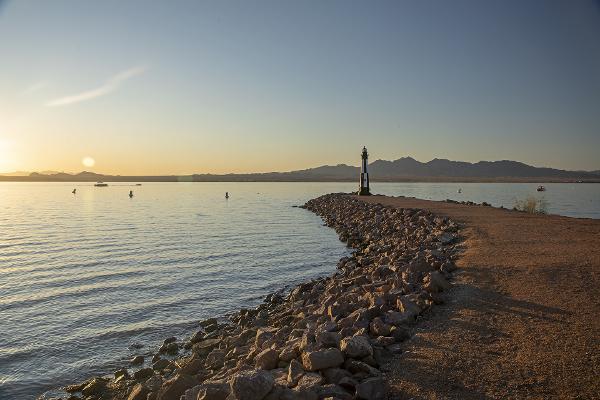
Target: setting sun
pixel 88 162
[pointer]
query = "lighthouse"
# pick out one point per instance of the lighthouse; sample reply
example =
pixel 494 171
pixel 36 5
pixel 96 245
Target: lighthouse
pixel 364 175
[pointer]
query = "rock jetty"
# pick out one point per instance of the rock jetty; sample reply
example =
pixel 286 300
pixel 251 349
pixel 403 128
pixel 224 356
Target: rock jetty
pixel 329 338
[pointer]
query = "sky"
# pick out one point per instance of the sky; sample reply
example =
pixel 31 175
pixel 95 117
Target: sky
pixel 179 87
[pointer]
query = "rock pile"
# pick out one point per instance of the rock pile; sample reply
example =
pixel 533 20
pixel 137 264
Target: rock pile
pixel 469 203
pixel 326 339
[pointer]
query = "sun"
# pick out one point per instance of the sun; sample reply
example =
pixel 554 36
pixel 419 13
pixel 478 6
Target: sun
pixel 88 161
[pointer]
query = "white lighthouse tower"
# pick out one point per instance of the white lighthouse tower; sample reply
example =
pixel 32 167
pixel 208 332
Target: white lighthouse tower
pixel 364 175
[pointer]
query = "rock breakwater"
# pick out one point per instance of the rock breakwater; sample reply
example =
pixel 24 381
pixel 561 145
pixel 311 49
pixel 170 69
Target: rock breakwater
pixel 329 338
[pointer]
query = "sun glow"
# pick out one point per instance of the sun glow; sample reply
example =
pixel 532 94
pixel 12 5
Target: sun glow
pixel 6 158
pixel 88 162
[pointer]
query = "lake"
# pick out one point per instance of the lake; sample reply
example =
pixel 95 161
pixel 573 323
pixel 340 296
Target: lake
pixel 85 278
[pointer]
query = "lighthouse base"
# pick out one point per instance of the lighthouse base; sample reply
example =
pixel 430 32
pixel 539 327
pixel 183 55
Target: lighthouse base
pixel 364 184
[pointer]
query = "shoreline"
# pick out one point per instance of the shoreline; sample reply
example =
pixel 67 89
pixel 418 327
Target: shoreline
pixel 188 179
pixel 526 290
pixel 346 326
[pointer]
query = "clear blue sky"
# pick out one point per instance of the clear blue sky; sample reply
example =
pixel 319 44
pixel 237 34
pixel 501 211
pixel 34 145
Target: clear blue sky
pixel 219 86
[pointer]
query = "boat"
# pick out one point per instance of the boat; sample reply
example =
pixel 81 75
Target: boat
pixel 541 188
pixel 100 184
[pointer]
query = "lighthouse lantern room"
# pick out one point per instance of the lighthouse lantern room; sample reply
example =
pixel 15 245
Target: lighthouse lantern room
pixel 364 175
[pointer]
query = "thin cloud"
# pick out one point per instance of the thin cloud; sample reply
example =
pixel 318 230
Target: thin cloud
pixel 109 86
pixel 36 87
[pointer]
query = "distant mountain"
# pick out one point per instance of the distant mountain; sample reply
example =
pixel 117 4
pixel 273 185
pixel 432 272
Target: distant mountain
pixel 26 173
pixel 84 175
pixel 52 172
pixel 401 170
pixel 409 167
pixel 16 173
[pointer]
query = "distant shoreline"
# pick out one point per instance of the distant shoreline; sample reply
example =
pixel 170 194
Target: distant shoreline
pixel 221 178
pixel 404 169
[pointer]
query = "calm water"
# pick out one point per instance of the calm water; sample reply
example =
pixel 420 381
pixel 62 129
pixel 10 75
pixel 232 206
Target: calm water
pixel 580 200
pixel 85 276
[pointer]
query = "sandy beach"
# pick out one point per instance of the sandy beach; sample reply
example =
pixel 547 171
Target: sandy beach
pixel 522 319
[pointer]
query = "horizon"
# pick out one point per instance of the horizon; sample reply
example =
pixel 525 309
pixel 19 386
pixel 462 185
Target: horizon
pixel 237 88
pixel 49 171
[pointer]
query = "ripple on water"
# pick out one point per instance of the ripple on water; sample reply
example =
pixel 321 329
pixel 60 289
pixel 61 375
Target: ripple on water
pixel 83 278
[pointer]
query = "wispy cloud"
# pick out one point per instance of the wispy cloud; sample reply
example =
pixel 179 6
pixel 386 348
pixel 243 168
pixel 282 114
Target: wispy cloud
pixel 111 84
pixel 35 88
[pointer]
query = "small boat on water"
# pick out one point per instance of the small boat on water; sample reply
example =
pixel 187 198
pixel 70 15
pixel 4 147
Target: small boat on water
pixel 541 188
pixel 100 184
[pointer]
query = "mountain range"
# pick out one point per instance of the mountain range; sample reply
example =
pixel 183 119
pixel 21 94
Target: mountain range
pixel 400 170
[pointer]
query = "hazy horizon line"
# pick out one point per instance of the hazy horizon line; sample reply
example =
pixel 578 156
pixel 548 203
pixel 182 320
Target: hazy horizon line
pixel 51 171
